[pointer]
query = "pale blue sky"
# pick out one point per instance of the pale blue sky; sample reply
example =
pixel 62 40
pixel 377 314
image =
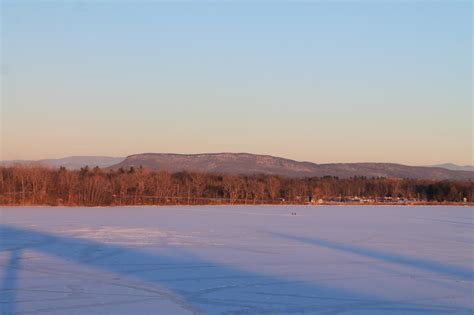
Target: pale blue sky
pixel 318 81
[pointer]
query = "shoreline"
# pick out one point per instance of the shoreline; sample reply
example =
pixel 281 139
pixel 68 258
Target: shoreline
pixel 469 204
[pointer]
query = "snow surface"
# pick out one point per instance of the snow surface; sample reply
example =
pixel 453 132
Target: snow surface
pixel 237 260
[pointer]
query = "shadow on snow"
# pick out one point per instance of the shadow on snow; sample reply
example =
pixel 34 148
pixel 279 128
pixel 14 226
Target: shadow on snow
pixel 201 286
pixel 412 262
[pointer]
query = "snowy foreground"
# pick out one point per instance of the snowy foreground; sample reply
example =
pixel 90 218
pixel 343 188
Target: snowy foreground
pixel 237 260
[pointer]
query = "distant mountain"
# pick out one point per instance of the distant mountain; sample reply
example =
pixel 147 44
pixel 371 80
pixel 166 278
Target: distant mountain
pixel 245 163
pixel 455 167
pixel 71 162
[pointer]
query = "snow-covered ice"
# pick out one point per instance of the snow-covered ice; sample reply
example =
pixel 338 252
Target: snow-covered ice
pixel 237 260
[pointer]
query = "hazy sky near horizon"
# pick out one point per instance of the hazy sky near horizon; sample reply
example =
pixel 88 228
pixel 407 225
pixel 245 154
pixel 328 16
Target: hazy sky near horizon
pixel 317 81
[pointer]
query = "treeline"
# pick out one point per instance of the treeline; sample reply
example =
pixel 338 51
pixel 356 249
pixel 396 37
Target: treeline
pixel 21 185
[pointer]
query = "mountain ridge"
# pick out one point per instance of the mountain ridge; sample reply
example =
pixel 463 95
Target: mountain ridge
pixel 248 163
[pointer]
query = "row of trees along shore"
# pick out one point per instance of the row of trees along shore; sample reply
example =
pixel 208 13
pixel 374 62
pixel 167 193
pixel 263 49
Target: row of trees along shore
pixel 34 185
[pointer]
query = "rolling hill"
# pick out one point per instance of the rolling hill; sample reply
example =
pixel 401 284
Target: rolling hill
pixel 70 162
pixel 455 167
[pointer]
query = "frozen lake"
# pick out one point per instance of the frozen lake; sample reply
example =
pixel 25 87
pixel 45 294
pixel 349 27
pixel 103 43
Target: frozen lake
pixel 237 260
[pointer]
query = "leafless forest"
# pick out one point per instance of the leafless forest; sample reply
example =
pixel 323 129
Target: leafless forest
pixel 97 187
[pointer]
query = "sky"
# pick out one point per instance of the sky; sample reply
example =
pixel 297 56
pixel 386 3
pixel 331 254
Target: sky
pixel 355 81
